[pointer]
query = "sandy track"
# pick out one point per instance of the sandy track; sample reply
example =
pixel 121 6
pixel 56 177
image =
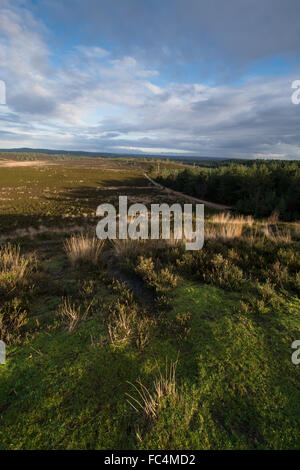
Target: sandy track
pixel 13 163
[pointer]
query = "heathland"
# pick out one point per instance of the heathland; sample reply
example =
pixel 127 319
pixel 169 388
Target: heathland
pixel 143 344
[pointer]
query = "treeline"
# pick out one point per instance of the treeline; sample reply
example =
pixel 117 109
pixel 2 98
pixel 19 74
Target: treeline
pixel 259 189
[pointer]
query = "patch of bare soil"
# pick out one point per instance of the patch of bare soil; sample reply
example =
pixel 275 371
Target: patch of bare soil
pixel 13 163
pixel 32 232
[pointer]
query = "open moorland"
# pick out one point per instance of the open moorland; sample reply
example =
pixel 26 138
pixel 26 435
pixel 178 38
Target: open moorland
pixel 143 344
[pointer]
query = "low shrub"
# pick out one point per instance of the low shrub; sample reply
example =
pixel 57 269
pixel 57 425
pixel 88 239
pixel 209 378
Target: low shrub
pixel 13 318
pixel 223 273
pixel 161 280
pixel 212 268
pixel 15 269
pixel 262 300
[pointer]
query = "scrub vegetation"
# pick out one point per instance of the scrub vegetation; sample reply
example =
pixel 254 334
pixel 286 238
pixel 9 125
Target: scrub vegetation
pixel 143 344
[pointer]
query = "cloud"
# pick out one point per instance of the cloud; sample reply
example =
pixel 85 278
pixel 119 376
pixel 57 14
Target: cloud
pixel 151 150
pixel 175 31
pixel 94 51
pixel 91 98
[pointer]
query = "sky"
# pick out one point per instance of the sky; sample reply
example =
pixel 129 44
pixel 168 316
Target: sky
pixel 202 78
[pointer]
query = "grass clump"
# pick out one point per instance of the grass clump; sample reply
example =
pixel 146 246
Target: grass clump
pixel 125 249
pixel 15 269
pixel 71 314
pixel 164 387
pixel 128 323
pixel 83 249
pixel 13 318
pixel 276 234
pixel 224 226
pixel 227 231
pixel 16 283
pixel 228 218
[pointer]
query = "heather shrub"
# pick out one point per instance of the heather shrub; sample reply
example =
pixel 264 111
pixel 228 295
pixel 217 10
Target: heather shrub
pixel 15 269
pixel 262 300
pixel 223 273
pixel 13 317
pixel 161 279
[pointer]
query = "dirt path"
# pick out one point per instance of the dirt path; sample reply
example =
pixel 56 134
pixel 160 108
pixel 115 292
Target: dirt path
pixel 213 205
pixel 14 163
pixel 137 286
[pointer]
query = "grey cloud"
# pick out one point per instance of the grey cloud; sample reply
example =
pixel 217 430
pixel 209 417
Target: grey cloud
pixel 177 31
pixel 32 104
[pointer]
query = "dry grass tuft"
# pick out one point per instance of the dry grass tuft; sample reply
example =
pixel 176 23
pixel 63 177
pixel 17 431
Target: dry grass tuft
pixel 15 269
pixel 126 324
pixel 15 274
pixel 227 218
pixel 120 327
pixel 127 248
pixel 70 314
pixel 296 229
pixel 223 231
pixel 277 235
pixel 82 248
pixel 134 248
pixel 227 227
pixel 12 320
pixel 11 261
pixel 164 387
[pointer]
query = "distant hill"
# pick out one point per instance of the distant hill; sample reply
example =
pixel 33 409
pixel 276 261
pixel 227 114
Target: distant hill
pixel 109 155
